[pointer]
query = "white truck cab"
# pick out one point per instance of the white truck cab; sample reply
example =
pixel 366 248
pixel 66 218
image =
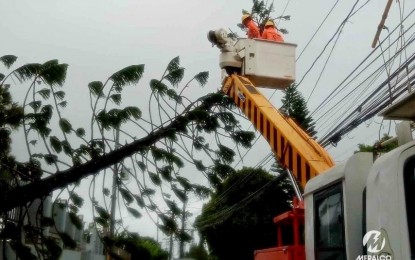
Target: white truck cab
pixel 362 197
pixel 333 210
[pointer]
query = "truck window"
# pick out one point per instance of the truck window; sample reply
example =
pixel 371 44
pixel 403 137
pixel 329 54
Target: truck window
pixel 409 183
pixel 329 221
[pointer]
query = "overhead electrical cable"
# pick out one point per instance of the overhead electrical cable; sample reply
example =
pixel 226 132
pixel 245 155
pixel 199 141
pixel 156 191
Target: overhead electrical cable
pixel 244 179
pixel 318 29
pixel 329 112
pixel 324 67
pixel 372 101
pixel 373 105
pixel 339 103
pixel 222 215
pixel 327 44
pixel 336 90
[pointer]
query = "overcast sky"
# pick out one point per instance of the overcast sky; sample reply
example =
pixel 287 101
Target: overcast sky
pixel 99 37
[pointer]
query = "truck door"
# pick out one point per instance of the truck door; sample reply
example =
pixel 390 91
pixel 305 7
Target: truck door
pixel 329 231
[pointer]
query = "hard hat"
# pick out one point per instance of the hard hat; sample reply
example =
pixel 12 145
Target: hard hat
pixel 245 16
pixel 269 23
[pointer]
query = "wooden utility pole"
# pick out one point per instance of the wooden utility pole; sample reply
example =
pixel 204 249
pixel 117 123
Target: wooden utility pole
pixel 171 246
pixel 114 192
pixel 382 23
pixel 181 242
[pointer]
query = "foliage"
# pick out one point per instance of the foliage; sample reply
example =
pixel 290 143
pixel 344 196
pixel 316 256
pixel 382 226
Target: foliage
pixel 377 147
pixel 295 106
pixel 144 248
pixel 157 143
pixel 238 218
pixel 261 12
pixel 197 252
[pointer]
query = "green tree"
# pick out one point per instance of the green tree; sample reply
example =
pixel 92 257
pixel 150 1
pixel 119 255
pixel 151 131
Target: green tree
pixel 155 146
pixel 197 252
pixel 377 147
pixel 295 106
pixel 143 248
pixel 239 217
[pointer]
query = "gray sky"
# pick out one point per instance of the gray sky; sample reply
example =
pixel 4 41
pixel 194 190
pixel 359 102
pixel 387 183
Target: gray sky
pixel 97 38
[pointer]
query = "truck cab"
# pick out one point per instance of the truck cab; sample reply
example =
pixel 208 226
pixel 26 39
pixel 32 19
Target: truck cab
pixel 363 202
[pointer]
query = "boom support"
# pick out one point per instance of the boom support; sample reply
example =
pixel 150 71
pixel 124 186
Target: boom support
pixel 293 147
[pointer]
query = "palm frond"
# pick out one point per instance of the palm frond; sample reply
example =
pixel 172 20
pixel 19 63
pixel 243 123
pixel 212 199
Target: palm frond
pixel 45 93
pixel 53 73
pixel 130 111
pixel 60 94
pixel 202 77
pixel 129 75
pixel 174 64
pixel 175 76
pixel 171 93
pixel 63 104
pixel 55 143
pixel 158 87
pixel 96 87
pixel 26 71
pixel 8 60
pixel 116 98
pixel 65 125
pixel 80 132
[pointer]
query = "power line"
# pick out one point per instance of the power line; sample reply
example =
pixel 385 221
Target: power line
pixel 354 90
pixel 244 179
pixel 225 213
pixel 375 104
pixel 334 35
pixel 324 67
pixel 332 109
pixel 336 91
pixel 318 29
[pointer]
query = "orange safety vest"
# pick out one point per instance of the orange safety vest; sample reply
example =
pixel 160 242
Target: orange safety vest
pixel 271 34
pixel 253 31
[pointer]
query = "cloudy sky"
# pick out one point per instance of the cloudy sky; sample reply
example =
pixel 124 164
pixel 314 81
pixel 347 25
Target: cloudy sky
pixel 99 37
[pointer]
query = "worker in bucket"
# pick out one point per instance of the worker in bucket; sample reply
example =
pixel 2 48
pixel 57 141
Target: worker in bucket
pixel 253 30
pixel 271 33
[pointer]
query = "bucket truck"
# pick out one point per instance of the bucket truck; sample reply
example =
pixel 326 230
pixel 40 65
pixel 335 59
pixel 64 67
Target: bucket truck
pixel 360 209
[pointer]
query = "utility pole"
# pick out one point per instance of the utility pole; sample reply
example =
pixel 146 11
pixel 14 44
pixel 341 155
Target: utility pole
pixel 171 246
pixel 114 189
pixel 181 242
pixel 382 23
pixel 157 228
pixel 171 242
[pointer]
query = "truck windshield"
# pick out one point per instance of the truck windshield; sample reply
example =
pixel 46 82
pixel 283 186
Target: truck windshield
pixel 409 180
pixel 329 231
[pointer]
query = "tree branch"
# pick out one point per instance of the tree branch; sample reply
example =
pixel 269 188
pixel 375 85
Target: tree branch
pixel 21 195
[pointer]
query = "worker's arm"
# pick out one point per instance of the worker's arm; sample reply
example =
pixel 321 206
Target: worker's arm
pixel 264 34
pixel 253 31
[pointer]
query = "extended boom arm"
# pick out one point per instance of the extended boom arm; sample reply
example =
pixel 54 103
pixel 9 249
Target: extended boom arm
pixel 293 147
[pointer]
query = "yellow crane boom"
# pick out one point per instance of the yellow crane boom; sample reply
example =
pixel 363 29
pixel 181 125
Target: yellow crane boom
pixel 293 147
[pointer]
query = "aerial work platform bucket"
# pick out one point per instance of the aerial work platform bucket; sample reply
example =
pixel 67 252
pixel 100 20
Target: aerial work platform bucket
pixel 267 64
